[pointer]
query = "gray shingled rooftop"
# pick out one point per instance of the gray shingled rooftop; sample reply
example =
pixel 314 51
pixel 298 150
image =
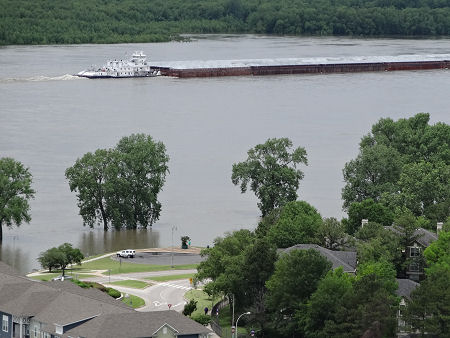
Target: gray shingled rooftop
pixel 425 238
pixel 344 259
pixel 138 324
pixel 405 287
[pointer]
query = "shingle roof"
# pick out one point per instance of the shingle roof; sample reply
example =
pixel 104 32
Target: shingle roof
pixel 425 238
pixel 69 308
pixel 64 303
pixel 405 287
pixel 92 293
pixel 345 259
pixel 138 324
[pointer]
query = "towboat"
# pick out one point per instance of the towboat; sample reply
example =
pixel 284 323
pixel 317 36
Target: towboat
pixel 137 66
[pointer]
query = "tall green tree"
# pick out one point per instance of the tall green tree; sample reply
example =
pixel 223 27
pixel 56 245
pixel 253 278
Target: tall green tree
pixel 366 310
pixel 403 164
pixel 298 224
pixel 295 278
pixel 271 172
pixel 325 302
pixel 223 263
pixel 142 166
pixel 60 257
pixel 15 192
pixel 331 234
pixel 88 176
pixel 375 171
pixel 370 210
pixel 429 308
pixel 120 186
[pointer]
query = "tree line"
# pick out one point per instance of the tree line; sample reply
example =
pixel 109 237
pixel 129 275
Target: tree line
pixel 97 21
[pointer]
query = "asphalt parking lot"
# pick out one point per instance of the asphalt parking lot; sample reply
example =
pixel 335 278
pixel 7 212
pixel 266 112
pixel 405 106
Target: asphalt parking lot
pixel 162 258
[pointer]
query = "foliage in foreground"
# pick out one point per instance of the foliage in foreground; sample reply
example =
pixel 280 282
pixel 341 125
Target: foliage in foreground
pixel 271 172
pixel 15 192
pixel 120 186
pixel 402 165
pixel 60 257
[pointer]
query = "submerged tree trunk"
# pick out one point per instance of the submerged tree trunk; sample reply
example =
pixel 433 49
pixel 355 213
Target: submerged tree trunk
pixel 105 219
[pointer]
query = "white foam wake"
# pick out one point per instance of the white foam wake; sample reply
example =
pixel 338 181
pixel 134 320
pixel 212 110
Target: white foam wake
pixel 41 78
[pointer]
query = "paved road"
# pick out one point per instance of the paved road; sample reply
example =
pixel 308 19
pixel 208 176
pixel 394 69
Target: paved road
pixel 156 297
pixel 163 258
pixel 160 295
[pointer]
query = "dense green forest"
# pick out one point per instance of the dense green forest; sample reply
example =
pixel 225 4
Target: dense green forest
pixel 110 21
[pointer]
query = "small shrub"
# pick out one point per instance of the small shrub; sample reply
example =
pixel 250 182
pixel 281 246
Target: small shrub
pixel 202 319
pixel 113 292
pixel 190 307
pixel 99 286
pixel 81 284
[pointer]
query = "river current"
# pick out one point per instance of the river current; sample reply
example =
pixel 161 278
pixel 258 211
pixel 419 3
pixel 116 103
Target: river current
pixel 49 118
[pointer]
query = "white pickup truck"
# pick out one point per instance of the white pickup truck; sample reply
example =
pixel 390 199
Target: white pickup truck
pixel 126 253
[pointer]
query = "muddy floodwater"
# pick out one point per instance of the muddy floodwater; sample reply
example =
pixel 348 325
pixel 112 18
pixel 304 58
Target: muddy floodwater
pixel 49 118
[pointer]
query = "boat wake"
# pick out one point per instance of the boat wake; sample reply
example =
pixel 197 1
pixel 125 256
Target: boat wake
pixel 41 78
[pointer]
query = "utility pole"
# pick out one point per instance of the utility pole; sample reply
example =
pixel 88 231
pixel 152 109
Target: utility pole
pixel 173 228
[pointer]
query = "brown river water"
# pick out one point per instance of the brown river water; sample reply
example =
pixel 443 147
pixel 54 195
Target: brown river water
pixel 49 118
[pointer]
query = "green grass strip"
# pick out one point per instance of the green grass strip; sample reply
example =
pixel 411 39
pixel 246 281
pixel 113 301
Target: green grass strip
pixel 203 300
pixel 170 277
pixel 116 267
pixel 45 277
pixel 133 301
pixel 136 284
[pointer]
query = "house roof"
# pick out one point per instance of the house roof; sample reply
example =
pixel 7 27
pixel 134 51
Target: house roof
pixel 425 237
pixel 6 269
pixel 344 259
pixel 68 308
pixel 137 324
pixel 405 287
pixel 91 293
pixel 97 314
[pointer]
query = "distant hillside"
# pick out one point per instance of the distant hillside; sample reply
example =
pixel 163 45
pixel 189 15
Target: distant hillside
pixel 113 21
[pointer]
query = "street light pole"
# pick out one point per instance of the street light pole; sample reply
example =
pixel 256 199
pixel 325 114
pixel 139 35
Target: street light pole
pixel 173 228
pixel 245 313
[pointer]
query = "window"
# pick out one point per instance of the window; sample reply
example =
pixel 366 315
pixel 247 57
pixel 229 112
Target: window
pixel 35 332
pixel 414 252
pixel 5 324
pixel 164 330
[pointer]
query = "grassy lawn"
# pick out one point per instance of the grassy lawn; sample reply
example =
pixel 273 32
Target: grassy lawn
pixel 203 300
pixel 45 277
pixel 136 284
pixel 172 277
pixel 125 267
pixel 48 276
pixel 133 301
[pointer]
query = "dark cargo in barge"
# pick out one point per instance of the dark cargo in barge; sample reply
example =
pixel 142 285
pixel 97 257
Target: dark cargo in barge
pixel 304 69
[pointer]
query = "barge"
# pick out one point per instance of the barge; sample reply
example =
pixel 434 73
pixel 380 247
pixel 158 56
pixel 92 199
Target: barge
pixel 319 68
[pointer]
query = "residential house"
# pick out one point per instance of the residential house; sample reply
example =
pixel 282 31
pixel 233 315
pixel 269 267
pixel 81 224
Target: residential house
pixel 414 253
pixel 405 288
pixel 31 309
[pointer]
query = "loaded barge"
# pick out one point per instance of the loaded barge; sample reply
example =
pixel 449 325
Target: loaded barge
pixel 191 71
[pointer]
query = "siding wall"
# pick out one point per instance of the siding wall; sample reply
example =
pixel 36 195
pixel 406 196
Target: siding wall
pixel 10 326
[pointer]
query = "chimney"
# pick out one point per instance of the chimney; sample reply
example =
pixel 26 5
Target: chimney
pixel 439 226
pixel 364 222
